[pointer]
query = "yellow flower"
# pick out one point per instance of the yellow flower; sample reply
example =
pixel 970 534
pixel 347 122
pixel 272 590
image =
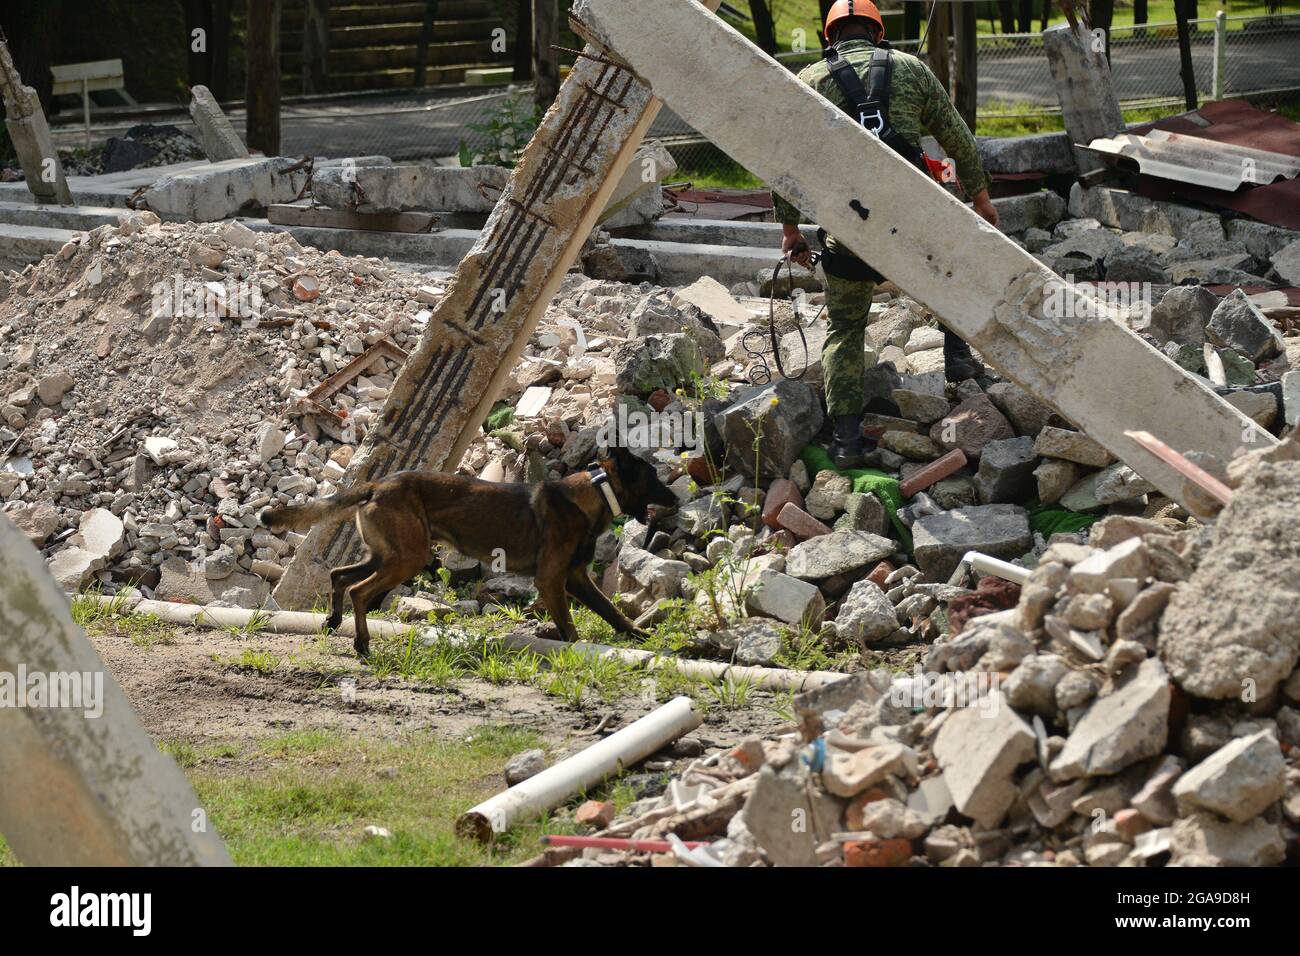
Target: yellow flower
pixel 775 401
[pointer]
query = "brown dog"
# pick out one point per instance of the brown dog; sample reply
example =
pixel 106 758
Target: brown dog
pixel 547 530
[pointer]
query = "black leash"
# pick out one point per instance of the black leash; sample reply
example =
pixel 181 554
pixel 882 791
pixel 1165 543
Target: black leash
pixel 759 372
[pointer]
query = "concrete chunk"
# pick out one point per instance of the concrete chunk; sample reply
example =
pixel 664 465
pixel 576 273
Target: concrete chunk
pixel 1239 780
pixel 224 189
pixel 979 749
pixel 217 137
pixel 940 541
pixel 1129 724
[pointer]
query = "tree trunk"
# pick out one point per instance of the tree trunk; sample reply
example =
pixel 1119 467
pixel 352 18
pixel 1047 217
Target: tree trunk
pixel 1007 13
pixel 965 86
pixel 523 65
pixel 315 45
pixel 1103 15
pixel 1025 20
pixel 198 62
pixel 546 59
pixel 426 37
pixel 219 47
pixel 764 27
pixel 262 87
pixel 1047 15
pixel 1184 10
pixel 937 45
pixel 32 26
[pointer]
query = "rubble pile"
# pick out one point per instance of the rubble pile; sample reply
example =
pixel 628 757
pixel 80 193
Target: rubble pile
pixel 150 385
pixel 1126 711
pixel 141 147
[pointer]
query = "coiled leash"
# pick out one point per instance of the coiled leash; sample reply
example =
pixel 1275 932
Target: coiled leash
pixel 759 372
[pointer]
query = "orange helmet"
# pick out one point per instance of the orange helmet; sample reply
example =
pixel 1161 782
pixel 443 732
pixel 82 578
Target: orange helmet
pixel 843 9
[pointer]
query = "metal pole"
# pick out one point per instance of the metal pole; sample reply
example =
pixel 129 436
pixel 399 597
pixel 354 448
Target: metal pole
pixel 85 107
pixel 1220 55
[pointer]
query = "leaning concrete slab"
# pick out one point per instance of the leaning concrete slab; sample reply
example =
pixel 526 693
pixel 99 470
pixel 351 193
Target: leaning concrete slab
pixel 501 289
pixel 1018 313
pixel 83 785
pixel 217 137
pixel 220 190
pixel 30 135
pixel 1077 60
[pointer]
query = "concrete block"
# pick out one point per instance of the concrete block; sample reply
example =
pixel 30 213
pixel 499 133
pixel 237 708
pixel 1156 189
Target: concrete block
pixel 84 784
pixel 217 137
pixel 224 189
pixel 410 187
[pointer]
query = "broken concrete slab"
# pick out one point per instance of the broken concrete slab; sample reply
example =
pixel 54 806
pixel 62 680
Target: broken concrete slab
pixel 987 289
pixel 1233 627
pixel 840 552
pixel 979 748
pixel 215 134
pixel 1037 152
pixel 1239 781
pixel 221 190
pixel 638 198
pixel 78 791
pixel 940 541
pixel 1204 840
pixel 30 135
pixel 1118 729
pixel 1081 73
pixel 410 187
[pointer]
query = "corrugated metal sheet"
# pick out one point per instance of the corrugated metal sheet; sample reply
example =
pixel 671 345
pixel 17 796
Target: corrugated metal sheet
pixel 1196 160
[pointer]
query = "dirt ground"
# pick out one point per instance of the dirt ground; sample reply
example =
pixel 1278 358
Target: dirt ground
pixel 186 689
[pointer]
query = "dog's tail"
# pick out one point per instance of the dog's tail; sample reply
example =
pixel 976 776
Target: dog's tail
pixel 304 516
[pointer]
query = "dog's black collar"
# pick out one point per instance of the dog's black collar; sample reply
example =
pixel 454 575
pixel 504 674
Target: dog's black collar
pixel 601 481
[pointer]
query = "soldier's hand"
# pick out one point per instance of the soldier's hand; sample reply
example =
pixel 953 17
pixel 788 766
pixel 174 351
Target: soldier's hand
pixel 984 206
pixel 794 245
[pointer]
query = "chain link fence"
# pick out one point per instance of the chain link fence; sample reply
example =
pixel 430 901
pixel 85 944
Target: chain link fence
pixel 1255 57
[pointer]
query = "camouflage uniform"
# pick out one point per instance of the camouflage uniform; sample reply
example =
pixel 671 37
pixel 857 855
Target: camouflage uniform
pixel 917 102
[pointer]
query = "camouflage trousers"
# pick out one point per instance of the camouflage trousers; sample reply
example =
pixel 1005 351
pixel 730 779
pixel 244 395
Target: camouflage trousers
pixel 848 305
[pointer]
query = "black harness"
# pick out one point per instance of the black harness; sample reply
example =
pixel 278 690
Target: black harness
pixel 869 106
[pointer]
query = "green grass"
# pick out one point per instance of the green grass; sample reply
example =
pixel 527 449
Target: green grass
pixel 304 799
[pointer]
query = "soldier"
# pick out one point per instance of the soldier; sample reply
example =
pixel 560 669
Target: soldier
pixel 894 95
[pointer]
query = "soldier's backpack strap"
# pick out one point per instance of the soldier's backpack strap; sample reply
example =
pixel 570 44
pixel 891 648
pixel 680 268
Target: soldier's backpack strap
pixel 869 105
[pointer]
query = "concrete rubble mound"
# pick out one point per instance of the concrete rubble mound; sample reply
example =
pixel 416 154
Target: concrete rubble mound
pixel 1072 729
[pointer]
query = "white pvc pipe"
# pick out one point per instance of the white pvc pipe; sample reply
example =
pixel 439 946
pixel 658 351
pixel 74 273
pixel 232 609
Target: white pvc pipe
pixel 994 566
pixel 551 787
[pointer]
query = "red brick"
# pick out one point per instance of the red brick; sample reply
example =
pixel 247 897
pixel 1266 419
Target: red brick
pixel 878 574
pixel 895 852
pixel 701 471
pixel 781 492
pixel 596 814
pixel 937 470
pixel 800 523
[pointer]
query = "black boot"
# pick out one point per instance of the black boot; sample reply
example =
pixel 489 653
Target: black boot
pixel 847 447
pixel 958 362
